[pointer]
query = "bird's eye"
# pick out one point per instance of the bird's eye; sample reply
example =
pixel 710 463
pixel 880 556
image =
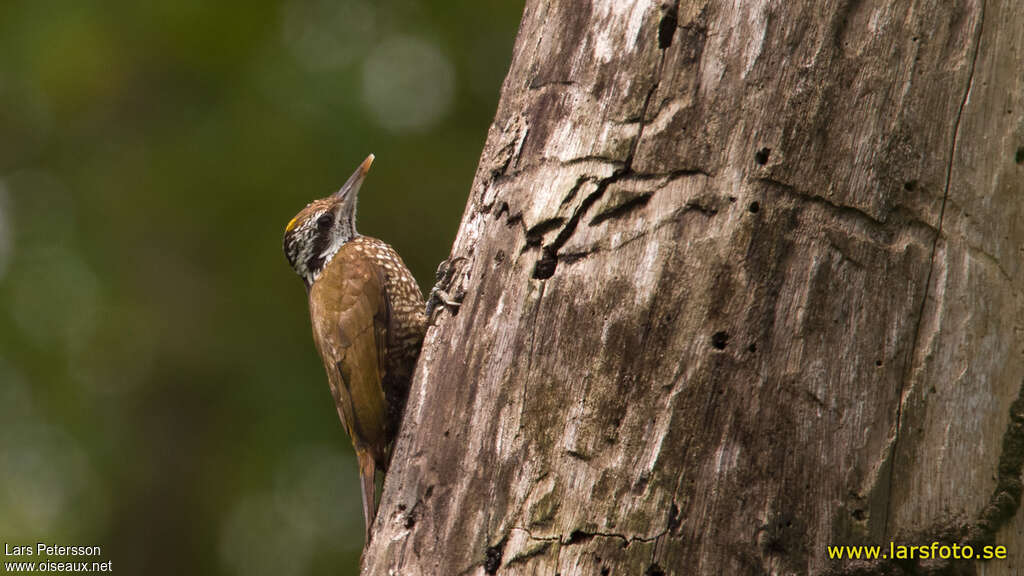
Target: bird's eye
pixel 325 220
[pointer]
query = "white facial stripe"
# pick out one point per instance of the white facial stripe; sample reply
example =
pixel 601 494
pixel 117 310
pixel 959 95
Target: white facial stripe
pixel 312 252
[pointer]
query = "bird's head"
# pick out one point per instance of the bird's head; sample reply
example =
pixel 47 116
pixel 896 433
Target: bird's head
pixel 316 233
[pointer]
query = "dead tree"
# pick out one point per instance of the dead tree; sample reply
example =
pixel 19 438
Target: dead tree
pixel 742 280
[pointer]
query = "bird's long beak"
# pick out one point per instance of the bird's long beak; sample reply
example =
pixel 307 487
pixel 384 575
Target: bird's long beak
pixel 351 186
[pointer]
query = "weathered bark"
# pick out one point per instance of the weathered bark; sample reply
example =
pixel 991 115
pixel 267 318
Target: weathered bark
pixel 743 280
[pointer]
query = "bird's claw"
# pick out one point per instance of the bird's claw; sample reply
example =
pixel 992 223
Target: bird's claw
pixel 439 296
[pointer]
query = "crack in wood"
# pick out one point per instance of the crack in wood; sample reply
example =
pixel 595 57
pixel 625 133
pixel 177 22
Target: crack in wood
pixel 550 257
pixel 904 391
pixel 525 556
pixel 664 41
pixel 545 266
pixel 991 260
pixel 643 112
pixel 621 210
pixel 535 234
pixel 840 210
pixel 1003 505
pixel 597 247
pixel 580 536
pixel 535 85
pixel 901 218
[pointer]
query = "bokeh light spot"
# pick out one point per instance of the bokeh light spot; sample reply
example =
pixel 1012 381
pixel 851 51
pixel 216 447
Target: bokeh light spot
pixel 408 84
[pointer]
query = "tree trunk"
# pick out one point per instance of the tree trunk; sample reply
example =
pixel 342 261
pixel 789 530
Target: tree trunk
pixel 742 280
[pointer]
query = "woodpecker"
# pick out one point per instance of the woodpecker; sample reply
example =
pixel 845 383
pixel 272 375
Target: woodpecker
pixel 368 320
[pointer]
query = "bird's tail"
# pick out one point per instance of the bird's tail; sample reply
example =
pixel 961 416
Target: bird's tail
pixel 367 472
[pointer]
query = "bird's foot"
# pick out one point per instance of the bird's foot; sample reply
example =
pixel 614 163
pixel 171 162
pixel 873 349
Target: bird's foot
pixel 440 297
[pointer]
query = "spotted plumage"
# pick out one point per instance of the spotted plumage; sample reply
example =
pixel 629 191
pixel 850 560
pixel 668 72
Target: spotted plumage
pixel 368 320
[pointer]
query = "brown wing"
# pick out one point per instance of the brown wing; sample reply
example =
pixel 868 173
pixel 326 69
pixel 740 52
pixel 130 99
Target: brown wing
pixel 349 307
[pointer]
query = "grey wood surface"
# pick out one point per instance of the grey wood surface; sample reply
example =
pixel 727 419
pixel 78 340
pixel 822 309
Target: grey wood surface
pixel 743 280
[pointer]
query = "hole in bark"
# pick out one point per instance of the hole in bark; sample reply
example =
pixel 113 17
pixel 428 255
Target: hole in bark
pixel 761 156
pixel 754 207
pixel 720 340
pixel 546 264
pixel 605 571
pixel 577 536
pixel 667 28
pixel 878 362
pixel 492 557
pixel 654 570
pixel 1019 158
pixel 910 185
pixel 752 348
pixel 858 515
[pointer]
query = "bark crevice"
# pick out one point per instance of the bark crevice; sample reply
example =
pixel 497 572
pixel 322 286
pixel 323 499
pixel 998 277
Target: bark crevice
pixel 545 266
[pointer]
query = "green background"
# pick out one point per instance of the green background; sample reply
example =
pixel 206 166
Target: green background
pixel 160 395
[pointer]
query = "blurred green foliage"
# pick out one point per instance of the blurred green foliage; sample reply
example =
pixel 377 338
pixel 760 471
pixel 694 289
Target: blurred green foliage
pixel 160 395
